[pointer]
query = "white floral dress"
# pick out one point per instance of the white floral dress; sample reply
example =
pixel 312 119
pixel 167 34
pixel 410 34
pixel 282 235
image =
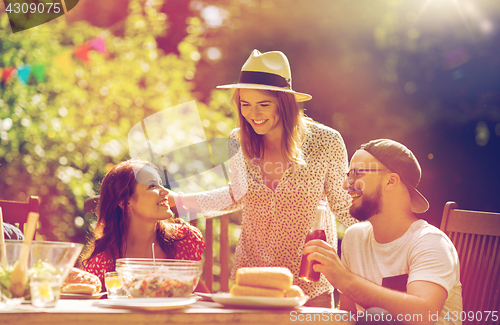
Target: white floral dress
pixel 275 223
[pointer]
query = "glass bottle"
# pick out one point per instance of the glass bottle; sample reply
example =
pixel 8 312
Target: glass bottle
pixel 317 231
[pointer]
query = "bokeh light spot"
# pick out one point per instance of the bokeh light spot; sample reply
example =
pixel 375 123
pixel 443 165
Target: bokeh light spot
pixel 63 111
pixel 410 88
pixel 214 53
pixel 482 134
pixel 82 83
pixel 212 16
pixel 79 73
pixel 104 91
pixel 63 226
pixel 6 124
pixel 413 33
pixel 195 56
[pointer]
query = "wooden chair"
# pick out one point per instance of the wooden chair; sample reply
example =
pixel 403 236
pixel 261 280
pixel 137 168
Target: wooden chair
pixel 16 212
pixel 476 236
pixel 209 251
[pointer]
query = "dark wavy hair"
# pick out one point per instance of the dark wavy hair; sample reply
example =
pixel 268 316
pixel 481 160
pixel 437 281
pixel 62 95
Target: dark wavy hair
pixel 109 234
pixel 294 128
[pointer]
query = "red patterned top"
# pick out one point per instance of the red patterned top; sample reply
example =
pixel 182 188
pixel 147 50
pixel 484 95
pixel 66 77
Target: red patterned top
pixel 189 248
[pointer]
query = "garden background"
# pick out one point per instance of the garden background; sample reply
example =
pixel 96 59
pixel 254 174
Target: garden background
pixel 422 72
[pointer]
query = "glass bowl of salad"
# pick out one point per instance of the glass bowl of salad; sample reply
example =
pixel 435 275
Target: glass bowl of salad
pixel 44 258
pixel 145 277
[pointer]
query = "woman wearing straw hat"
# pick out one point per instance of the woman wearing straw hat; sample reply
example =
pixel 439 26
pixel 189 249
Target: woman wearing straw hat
pixel 287 164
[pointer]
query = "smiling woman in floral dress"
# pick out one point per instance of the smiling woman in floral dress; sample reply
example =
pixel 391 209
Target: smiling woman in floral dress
pixel 133 214
pixel 282 164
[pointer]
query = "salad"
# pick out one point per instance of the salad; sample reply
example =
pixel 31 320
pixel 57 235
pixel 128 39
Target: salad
pixel 40 268
pixel 158 285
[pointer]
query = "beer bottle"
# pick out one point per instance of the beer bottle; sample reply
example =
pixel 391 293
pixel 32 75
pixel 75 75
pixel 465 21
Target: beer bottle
pixel 317 232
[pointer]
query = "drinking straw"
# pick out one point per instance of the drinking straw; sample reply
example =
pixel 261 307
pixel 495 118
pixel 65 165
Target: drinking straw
pixel 154 261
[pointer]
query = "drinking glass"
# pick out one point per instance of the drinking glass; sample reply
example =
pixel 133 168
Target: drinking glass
pixel 45 289
pixel 114 286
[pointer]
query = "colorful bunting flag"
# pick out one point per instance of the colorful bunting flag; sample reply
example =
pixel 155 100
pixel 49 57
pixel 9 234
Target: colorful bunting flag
pixel 24 74
pixel 63 61
pixel 8 73
pixel 82 52
pixel 38 71
pixel 98 44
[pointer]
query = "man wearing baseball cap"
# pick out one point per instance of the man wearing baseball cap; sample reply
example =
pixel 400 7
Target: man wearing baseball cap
pixel 395 268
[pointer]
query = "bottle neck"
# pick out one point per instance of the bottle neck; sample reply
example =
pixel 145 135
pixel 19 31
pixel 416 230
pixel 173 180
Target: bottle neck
pixel 319 219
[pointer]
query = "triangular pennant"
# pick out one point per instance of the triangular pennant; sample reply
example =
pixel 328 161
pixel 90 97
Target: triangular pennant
pixel 64 62
pixel 24 74
pixel 98 44
pixel 8 73
pixel 70 4
pixel 38 71
pixel 82 52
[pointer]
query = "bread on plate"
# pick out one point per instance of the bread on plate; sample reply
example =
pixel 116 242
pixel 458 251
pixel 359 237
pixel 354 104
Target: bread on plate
pixel 82 282
pixel 265 282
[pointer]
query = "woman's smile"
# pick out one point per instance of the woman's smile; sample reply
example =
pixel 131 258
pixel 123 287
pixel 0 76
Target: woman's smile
pixel 164 203
pixel 259 122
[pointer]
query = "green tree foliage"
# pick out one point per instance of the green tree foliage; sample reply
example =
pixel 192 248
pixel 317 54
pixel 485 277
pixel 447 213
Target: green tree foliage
pixel 421 72
pixel 59 137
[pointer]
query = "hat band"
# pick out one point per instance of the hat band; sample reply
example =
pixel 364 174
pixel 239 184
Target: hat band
pixel 263 78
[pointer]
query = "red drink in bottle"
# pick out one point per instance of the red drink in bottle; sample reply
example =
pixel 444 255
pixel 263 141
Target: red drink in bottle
pixel 306 268
pixel 317 231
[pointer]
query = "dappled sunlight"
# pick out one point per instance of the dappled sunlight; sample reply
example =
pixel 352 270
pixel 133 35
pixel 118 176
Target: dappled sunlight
pixel 420 72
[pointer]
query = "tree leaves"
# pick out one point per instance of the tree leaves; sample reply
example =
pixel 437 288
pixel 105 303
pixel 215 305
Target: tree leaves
pixel 58 137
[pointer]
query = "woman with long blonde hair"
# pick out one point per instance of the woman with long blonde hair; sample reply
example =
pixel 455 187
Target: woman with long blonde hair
pixel 282 165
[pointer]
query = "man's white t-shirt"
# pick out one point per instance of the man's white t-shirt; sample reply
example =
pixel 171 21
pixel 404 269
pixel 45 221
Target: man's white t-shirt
pixel 423 253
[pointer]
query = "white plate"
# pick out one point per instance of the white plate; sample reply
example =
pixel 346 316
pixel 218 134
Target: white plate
pixel 146 303
pixel 226 299
pixel 82 296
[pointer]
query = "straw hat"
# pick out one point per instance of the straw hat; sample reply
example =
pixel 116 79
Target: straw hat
pixel 267 71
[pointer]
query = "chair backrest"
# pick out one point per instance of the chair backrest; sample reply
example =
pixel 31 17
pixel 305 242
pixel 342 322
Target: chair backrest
pixel 209 251
pixel 16 212
pixel 476 236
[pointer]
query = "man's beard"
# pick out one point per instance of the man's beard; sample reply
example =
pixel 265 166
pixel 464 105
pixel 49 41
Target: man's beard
pixel 369 207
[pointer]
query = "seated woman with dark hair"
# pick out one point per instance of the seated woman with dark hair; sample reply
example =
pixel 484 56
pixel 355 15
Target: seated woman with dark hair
pixel 133 214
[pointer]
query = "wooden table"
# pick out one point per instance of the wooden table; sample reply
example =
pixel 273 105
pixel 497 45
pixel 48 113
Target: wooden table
pixel 84 312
